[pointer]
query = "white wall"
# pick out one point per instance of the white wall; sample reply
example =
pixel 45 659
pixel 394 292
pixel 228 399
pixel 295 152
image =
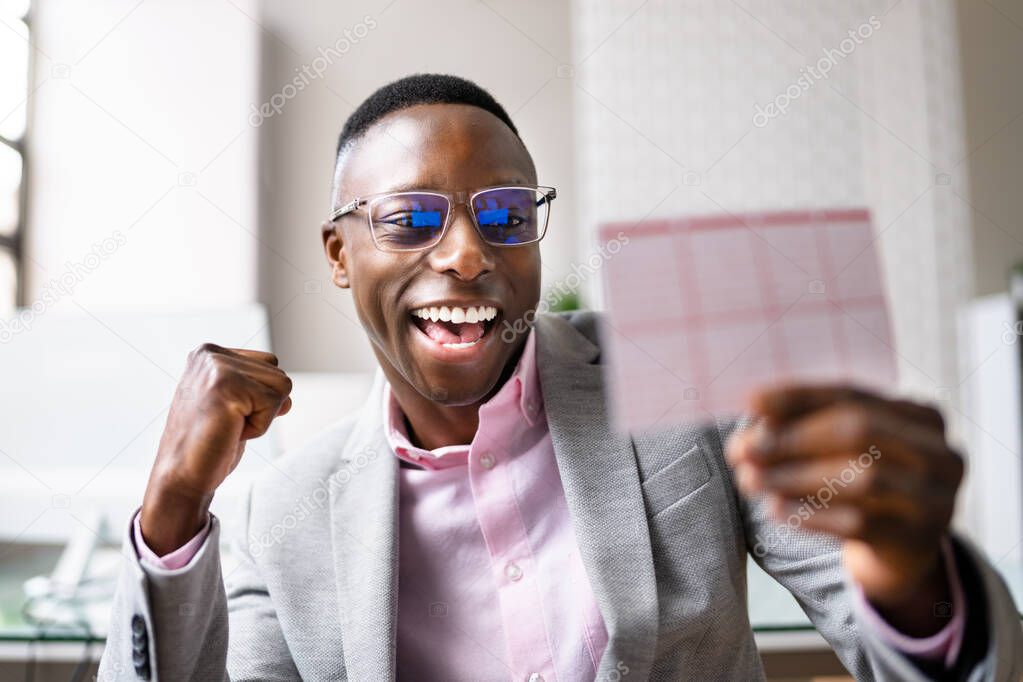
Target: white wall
pixel 667 112
pixel 991 38
pixel 139 137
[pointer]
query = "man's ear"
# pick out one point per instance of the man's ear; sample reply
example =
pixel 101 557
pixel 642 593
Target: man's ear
pixel 334 247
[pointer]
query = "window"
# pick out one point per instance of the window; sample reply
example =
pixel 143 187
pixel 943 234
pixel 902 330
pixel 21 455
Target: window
pixel 15 64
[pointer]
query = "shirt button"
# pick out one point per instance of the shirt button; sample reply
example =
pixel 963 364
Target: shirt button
pixel 513 572
pixel 534 677
pixel 487 460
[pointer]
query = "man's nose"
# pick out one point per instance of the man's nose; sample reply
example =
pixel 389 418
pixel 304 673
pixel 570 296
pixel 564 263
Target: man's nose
pixel 462 252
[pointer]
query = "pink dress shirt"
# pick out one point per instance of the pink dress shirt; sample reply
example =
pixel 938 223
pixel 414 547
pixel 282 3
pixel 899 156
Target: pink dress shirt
pixel 490 581
pixel 945 643
pixel 491 585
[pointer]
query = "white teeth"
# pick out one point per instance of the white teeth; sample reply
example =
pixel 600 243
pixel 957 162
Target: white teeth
pixel 456 314
pixel 461 345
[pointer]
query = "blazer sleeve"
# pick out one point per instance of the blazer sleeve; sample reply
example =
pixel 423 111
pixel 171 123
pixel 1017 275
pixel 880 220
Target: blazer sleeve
pixel 809 566
pixel 173 625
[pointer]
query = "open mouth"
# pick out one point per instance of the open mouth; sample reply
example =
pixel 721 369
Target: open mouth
pixel 454 326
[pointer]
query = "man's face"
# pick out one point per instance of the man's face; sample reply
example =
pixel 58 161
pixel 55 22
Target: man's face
pixel 443 147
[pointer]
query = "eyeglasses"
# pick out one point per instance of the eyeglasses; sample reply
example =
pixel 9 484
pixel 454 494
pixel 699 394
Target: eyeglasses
pixel 417 220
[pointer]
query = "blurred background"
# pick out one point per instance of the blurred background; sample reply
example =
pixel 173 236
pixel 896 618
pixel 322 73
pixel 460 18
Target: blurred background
pixel 165 167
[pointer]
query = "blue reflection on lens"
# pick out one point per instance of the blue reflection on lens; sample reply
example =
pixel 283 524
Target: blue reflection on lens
pixel 425 218
pixel 495 216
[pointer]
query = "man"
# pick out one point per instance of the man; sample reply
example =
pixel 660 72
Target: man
pixel 478 520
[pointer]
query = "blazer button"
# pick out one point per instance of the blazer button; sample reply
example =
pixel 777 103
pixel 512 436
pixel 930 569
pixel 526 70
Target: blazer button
pixel 142 671
pixel 139 658
pixel 138 625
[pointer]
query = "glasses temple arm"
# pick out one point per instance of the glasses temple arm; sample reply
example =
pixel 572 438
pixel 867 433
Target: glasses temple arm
pixel 347 208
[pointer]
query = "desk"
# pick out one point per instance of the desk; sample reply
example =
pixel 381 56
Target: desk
pixel 57 652
pixel 788 643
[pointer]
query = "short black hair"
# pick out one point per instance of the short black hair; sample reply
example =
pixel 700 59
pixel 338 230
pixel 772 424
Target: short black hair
pixel 420 88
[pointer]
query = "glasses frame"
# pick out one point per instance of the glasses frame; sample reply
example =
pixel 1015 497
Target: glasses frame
pixel 454 199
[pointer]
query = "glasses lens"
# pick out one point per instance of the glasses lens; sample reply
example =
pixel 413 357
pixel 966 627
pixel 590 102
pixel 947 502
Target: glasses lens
pixel 511 215
pixel 404 222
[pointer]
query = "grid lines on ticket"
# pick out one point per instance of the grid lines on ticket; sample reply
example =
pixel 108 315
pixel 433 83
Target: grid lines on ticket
pixel 701 310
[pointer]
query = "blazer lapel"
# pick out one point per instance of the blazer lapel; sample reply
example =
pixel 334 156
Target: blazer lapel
pixel 603 494
pixel 364 531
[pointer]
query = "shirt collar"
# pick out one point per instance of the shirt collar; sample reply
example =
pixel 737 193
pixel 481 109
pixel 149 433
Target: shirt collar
pixel 524 382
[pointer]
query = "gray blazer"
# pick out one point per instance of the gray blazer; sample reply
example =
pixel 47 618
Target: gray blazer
pixel 662 533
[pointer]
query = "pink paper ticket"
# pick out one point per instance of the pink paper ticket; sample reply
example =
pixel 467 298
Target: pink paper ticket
pixel 703 310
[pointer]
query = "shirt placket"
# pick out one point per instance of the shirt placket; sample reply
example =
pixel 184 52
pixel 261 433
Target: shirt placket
pixel 511 559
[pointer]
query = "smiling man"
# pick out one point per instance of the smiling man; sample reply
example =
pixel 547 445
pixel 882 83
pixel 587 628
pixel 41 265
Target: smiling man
pixel 478 520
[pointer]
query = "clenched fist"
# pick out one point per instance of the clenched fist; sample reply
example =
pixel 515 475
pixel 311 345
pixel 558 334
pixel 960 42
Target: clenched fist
pixel 226 397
